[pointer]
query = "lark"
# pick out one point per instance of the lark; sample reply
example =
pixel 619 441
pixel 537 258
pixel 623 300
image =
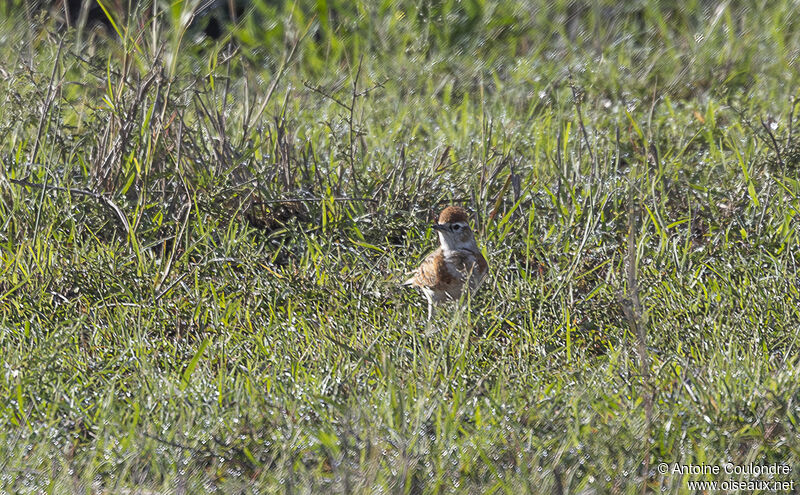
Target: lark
pixel 457 263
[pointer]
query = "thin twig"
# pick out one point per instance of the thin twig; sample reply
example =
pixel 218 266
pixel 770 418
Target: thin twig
pixel 632 309
pixel 373 88
pixel 310 200
pixel 274 84
pixel 47 102
pixel 769 183
pixel 350 122
pixel 319 90
pixel 774 143
pixel 80 192
pixel 577 97
pixel 792 106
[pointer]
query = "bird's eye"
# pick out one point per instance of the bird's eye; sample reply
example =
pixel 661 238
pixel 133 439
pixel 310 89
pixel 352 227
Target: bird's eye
pixel 456 227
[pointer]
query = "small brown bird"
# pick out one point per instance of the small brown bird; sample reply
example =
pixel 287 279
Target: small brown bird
pixel 458 261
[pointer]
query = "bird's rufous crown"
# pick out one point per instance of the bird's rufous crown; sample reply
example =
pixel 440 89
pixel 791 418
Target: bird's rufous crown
pixel 453 214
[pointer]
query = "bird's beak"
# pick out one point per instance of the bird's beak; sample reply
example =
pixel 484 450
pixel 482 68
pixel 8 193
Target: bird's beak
pixel 439 227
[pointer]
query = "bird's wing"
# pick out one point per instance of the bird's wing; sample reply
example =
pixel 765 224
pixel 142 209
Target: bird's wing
pixel 432 272
pixel 481 266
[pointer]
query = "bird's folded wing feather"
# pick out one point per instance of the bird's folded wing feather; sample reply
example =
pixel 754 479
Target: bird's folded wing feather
pixel 432 272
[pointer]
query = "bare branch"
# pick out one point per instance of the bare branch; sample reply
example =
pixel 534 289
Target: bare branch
pixel 106 201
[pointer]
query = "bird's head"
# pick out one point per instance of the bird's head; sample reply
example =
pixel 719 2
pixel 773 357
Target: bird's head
pixel 454 231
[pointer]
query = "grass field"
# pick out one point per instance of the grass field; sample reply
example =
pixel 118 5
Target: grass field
pixel 201 246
